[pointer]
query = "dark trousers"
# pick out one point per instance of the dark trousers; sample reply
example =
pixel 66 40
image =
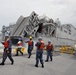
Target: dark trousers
pixel 49 54
pixel 19 50
pixel 39 57
pixel 30 48
pixel 5 55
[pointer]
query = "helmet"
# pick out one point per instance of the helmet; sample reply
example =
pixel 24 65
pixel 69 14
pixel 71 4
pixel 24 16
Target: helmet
pixel 30 37
pixel 6 35
pixel 49 41
pixel 40 38
pixel 19 39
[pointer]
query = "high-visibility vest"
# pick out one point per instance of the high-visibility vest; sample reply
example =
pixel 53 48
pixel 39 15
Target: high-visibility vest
pixel 49 46
pixel 6 44
pixel 19 43
pixel 42 45
pixel 30 43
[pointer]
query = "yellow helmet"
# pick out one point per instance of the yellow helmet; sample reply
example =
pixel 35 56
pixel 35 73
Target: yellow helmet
pixel 30 37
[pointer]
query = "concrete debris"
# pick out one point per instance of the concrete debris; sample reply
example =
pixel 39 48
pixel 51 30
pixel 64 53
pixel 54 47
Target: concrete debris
pixel 35 26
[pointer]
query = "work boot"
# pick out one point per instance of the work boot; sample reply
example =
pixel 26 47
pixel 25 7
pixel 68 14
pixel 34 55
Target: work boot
pixel 51 59
pixel 16 55
pixel 2 63
pixel 22 53
pixel 29 56
pixel 12 62
pixel 46 60
pixel 42 65
pixel 36 65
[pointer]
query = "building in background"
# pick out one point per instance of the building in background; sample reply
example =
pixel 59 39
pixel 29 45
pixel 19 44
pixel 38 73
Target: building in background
pixel 35 26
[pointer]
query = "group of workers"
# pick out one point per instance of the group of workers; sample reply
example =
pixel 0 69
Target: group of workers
pixel 39 51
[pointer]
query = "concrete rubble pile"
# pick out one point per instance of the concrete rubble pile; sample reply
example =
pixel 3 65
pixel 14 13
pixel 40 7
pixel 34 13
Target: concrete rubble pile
pixel 35 25
pixel 30 25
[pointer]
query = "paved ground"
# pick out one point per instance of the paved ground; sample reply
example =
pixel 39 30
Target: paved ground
pixel 62 64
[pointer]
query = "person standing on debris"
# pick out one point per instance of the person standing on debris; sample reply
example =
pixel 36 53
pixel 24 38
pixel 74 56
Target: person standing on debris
pixel 7 50
pixel 49 49
pixel 30 46
pixel 39 52
pixel 19 47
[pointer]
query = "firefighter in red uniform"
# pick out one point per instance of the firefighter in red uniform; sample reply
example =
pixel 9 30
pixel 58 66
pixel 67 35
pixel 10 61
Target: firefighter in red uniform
pixel 19 44
pixel 49 49
pixel 7 50
pixel 39 52
pixel 30 46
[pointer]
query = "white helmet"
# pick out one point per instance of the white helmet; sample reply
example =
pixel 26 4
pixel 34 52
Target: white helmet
pixel 39 38
pixel 49 41
pixel 6 35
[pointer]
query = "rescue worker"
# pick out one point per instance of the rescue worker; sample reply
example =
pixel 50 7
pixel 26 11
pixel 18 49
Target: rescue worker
pixel 19 44
pixel 30 46
pixel 49 50
pixel 7 50
pixel 39 52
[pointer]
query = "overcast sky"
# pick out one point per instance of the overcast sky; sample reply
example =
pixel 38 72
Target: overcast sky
pixel 10 10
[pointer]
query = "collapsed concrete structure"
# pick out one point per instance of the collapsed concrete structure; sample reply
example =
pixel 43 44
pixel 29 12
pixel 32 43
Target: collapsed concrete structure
pixel 35 26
